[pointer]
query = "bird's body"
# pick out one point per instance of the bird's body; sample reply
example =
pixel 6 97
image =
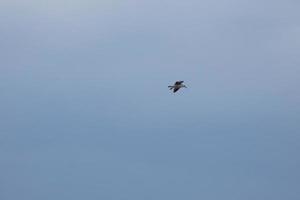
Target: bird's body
pixel 177 85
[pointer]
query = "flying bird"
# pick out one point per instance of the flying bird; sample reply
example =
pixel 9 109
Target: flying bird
pixel 177 85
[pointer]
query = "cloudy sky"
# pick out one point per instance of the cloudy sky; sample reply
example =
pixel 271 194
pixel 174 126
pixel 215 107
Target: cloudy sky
pixel 86 112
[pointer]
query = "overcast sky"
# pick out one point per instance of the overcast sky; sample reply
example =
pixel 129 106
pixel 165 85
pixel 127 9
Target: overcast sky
pixel 85 112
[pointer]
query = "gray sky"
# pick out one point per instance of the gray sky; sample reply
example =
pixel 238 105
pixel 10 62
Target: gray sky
pixel 86 112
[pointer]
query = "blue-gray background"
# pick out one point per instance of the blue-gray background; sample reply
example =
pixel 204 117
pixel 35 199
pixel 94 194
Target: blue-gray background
pixel 86 112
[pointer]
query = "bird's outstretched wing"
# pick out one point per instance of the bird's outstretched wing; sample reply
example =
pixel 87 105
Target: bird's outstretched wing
pixel 178 82
pixel 171 87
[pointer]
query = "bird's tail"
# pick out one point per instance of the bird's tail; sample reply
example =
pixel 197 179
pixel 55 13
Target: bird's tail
pixel 170 87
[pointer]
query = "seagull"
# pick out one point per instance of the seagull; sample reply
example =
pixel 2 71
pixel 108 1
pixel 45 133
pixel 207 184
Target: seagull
pixel 177 85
